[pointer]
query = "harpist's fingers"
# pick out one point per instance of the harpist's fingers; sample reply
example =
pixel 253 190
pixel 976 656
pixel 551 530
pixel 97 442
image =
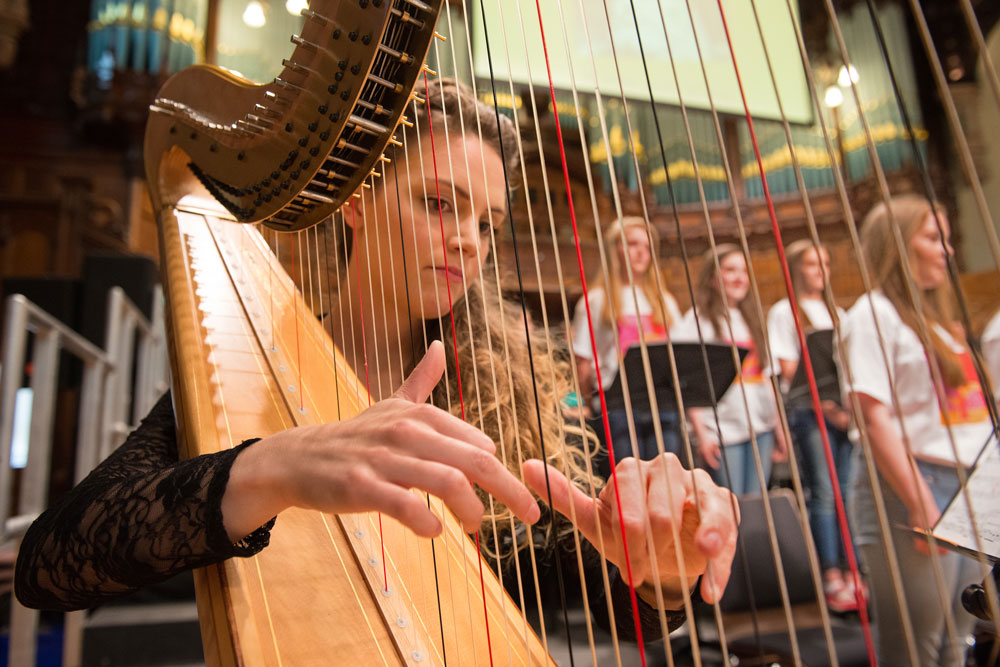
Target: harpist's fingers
pixel 419 384
pixel 407 508
pixel 447 483
pixel 584 508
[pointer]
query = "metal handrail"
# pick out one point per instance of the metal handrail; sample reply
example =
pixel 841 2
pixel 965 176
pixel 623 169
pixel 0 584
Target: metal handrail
pixel 131 341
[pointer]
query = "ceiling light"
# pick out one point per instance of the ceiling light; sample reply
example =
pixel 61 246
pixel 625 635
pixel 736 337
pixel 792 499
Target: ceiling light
pixel 253 15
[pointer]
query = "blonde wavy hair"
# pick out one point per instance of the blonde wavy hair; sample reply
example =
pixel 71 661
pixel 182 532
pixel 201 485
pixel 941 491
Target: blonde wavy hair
pixel 504 407
pixel 795 252
pixel 886 265
pixel 646 283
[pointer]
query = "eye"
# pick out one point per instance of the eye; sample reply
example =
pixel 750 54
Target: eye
pixel 435 204
pixel 484 227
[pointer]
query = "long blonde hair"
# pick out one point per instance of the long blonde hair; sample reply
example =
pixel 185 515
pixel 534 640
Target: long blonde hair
pixel 507 415
pixel 645 283
pixel 910 212
pixel 709 303
pixel 795 253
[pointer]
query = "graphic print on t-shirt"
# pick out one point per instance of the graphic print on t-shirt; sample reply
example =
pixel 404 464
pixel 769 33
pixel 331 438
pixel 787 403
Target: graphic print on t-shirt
pixel 752 372
pixel 965 404
pixel 628 331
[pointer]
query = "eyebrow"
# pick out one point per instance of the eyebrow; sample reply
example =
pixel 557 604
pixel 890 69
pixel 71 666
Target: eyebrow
pixel 502 212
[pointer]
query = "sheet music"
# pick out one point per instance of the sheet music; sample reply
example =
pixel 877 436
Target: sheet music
pixel 984 480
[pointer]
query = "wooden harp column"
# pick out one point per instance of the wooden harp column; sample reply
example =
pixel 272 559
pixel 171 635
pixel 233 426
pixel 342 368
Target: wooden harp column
pixel 249 359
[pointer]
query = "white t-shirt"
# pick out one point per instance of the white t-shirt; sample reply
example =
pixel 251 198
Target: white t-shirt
pixel 783 338
pixel 922 416
pixel 991 351
pixel 628 330
pixel 733 425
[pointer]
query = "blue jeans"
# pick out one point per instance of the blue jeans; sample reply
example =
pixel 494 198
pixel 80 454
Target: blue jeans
pixel 919 581
pixel 738 459
pixel 645 435
pixel 812 460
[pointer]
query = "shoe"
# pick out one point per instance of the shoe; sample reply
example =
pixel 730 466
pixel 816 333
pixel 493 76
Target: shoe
pixel 840 597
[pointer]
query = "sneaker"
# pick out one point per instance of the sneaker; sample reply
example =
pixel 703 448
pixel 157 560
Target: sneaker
pixel 840 597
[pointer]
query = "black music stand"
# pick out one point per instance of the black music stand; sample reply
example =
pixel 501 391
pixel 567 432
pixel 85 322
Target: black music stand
pixel 693 384
pixel 820 346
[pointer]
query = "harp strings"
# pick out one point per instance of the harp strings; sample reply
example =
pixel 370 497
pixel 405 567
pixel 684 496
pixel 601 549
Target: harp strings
pixel 924 335
pixel 805 356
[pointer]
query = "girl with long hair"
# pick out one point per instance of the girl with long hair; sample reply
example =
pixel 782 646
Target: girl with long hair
pixel 432 226
pixel 746 413
pixel 810 270
pixel 618 313
pixel 912 440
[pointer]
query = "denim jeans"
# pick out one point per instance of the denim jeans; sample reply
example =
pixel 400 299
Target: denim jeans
pixel 738 459
pixel 812 460
pixel 645 435
pixel 919 581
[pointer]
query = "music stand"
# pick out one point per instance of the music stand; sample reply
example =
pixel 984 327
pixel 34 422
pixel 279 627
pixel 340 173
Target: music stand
pixel 690 373
pixel 820 347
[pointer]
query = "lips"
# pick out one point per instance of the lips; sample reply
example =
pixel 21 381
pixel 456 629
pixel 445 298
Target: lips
pixel 451 273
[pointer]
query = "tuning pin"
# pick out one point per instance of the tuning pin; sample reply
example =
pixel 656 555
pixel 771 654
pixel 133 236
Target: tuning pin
pixel 383 158
pixel 416 97
pixel 394 141
pixel 427 69
pixel 405 121
pixel 440 36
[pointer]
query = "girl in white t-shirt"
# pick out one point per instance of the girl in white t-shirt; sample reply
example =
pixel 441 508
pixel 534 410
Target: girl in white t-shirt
pixel 616 313
pixel 912 448
pixel 810 269
pixel 734 434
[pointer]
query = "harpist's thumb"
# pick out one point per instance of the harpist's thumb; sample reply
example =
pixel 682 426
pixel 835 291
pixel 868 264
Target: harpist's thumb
pixel 418 386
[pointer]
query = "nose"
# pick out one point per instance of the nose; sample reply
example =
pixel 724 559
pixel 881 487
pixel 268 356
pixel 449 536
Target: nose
pixel 463 236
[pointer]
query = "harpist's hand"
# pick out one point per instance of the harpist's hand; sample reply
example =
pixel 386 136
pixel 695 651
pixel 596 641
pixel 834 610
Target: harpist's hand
pixel 664 495
pixel 370 462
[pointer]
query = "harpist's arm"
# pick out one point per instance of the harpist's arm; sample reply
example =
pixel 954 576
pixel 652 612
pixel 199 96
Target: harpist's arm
pixel 138 518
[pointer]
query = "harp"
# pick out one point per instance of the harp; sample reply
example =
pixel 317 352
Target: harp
pixel 302 154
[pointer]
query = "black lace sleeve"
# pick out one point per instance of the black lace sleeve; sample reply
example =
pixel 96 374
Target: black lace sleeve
pixel 140 517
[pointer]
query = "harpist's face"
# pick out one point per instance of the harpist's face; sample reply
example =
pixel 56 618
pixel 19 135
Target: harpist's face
pixel 432 239
pixel 928 258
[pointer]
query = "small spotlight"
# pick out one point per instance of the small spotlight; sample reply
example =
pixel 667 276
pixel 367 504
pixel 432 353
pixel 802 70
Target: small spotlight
pixel 295 7
pixel 834 97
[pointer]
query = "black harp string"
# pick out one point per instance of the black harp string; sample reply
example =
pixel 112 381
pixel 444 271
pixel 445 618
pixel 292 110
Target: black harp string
pixel 852 230
pixel 398 329
pixel 505 454
pixel 647 371
pixel 527 333
pixel 830 302
pixel 413 355
pixel 567 327
pixel 479 283
pixel 756 302
pixel 697 321
pixel 922 335
pixel 418 132
pixel 654 408
pixel 463 299
pixel 544 310
pixel 972 341
pixel 601 254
